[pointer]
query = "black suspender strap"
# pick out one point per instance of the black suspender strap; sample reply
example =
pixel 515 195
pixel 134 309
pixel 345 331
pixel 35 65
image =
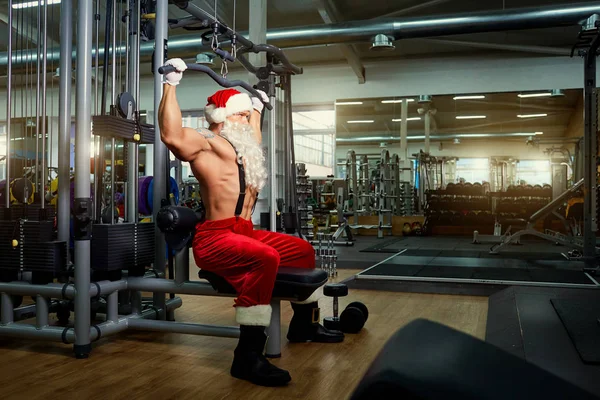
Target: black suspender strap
pixel 242 175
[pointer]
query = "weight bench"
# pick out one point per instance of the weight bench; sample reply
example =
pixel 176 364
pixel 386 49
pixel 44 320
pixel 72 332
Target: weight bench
pixel 296 284
pixel 427 360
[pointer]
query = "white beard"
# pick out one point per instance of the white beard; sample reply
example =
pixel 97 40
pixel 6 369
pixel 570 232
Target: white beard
pixel 249 152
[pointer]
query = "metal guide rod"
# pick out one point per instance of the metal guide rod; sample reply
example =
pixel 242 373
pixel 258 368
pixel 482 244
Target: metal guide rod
pixel 272 156
pixel 37 99
pixel 64 116
pixel 111 201
pixel 8 104
pixel 43 174
pixel 132 87
pixel 83 122
pixel 160 150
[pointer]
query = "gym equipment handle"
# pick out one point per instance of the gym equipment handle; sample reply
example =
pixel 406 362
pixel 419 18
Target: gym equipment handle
pixel 165 69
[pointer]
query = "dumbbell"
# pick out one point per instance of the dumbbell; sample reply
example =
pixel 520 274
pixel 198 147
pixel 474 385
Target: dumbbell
pixel 352 319
pixel 334 290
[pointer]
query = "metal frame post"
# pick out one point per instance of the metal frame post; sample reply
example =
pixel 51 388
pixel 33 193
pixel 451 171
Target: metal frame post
pixel 590 149
pixel 160 150
pixel 8 103
pixel 83 111
pixel 273 349
pixel 64 113
pixel 272 156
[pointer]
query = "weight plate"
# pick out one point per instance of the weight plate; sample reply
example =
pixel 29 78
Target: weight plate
pixel 124 100
pixel 352 320
pixel 143 184
pixel 172 189
pixel 362 307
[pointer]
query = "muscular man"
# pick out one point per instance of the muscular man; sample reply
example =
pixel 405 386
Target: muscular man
pixel 228 161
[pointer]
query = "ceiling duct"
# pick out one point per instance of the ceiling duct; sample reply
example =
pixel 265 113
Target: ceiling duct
pixel 188 46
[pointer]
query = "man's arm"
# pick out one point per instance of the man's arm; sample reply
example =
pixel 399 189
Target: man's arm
pixel 255 124
pixel 185 143
pixel 256 114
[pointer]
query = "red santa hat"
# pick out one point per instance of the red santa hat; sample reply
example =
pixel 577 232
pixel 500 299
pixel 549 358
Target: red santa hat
pixel 224 103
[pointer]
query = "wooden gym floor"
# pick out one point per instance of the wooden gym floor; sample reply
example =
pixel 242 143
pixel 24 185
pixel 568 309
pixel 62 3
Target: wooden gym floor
pixel 140 365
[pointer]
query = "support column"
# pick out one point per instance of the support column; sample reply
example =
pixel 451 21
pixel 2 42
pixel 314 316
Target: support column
pixel 64 117
pixel 590 163
pixel 404 139
pixel 427 130
pixel 257 33
pixel 133 89
pixel 161 153
pixel 83 122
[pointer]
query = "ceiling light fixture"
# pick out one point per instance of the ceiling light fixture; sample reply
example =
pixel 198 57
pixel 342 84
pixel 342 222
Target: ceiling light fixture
pixel 365 121
pixel 205 59
pixel 408 119
pixel 348 103
pixel 382 42
pixel 396 101
pixel 528 95
pixel 471 117
pixel 531 115
pixel 30 4
pixel 469 97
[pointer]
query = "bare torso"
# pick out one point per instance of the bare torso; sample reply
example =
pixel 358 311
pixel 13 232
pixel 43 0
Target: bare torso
pixel 217 172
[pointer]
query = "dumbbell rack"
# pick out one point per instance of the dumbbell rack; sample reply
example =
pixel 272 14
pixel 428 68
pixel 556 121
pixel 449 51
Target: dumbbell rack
pixel 519 202
pixel 326 253
pixel 457 207
pixel 304 190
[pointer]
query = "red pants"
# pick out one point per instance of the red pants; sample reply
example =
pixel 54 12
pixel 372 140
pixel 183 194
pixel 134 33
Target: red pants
pixel 248 259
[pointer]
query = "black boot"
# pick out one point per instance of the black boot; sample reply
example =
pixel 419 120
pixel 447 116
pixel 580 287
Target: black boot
pixel 249 362
pixel 305 327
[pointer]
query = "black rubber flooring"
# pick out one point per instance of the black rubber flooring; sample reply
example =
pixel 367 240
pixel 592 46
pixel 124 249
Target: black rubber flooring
pixel 581 320
pixel 481 268
pixel 523 321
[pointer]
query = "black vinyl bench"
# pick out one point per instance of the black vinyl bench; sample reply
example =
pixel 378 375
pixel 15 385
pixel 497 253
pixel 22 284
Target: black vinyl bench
pixel 427 360
pixel 178 225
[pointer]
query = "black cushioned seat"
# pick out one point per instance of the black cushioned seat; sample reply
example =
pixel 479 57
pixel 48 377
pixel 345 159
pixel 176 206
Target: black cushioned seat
pixel 296 283
pixel 427 360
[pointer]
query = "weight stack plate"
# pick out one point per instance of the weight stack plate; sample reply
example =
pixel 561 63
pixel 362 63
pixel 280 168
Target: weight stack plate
pixel 11 256
pixel 144 244
pixel 46 257
pixel 32 212
pixel 112 126
pixel 30 235
pixel 113 246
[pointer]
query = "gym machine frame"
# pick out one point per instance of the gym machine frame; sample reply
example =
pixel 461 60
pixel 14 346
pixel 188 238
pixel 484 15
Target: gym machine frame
pixel 83 290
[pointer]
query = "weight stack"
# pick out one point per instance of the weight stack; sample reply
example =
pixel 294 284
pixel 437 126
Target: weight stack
pixel 113 246
pixel 122 246
pixel 32 212
pixel 11 256
pixel 144 244
pixel 36 249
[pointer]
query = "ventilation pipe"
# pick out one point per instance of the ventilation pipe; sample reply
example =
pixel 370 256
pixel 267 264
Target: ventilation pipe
pixel 188 46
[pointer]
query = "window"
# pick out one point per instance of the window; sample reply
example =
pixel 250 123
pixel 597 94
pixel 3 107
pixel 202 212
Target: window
pixel 534 172
pixel 314 132
pixel 473 170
